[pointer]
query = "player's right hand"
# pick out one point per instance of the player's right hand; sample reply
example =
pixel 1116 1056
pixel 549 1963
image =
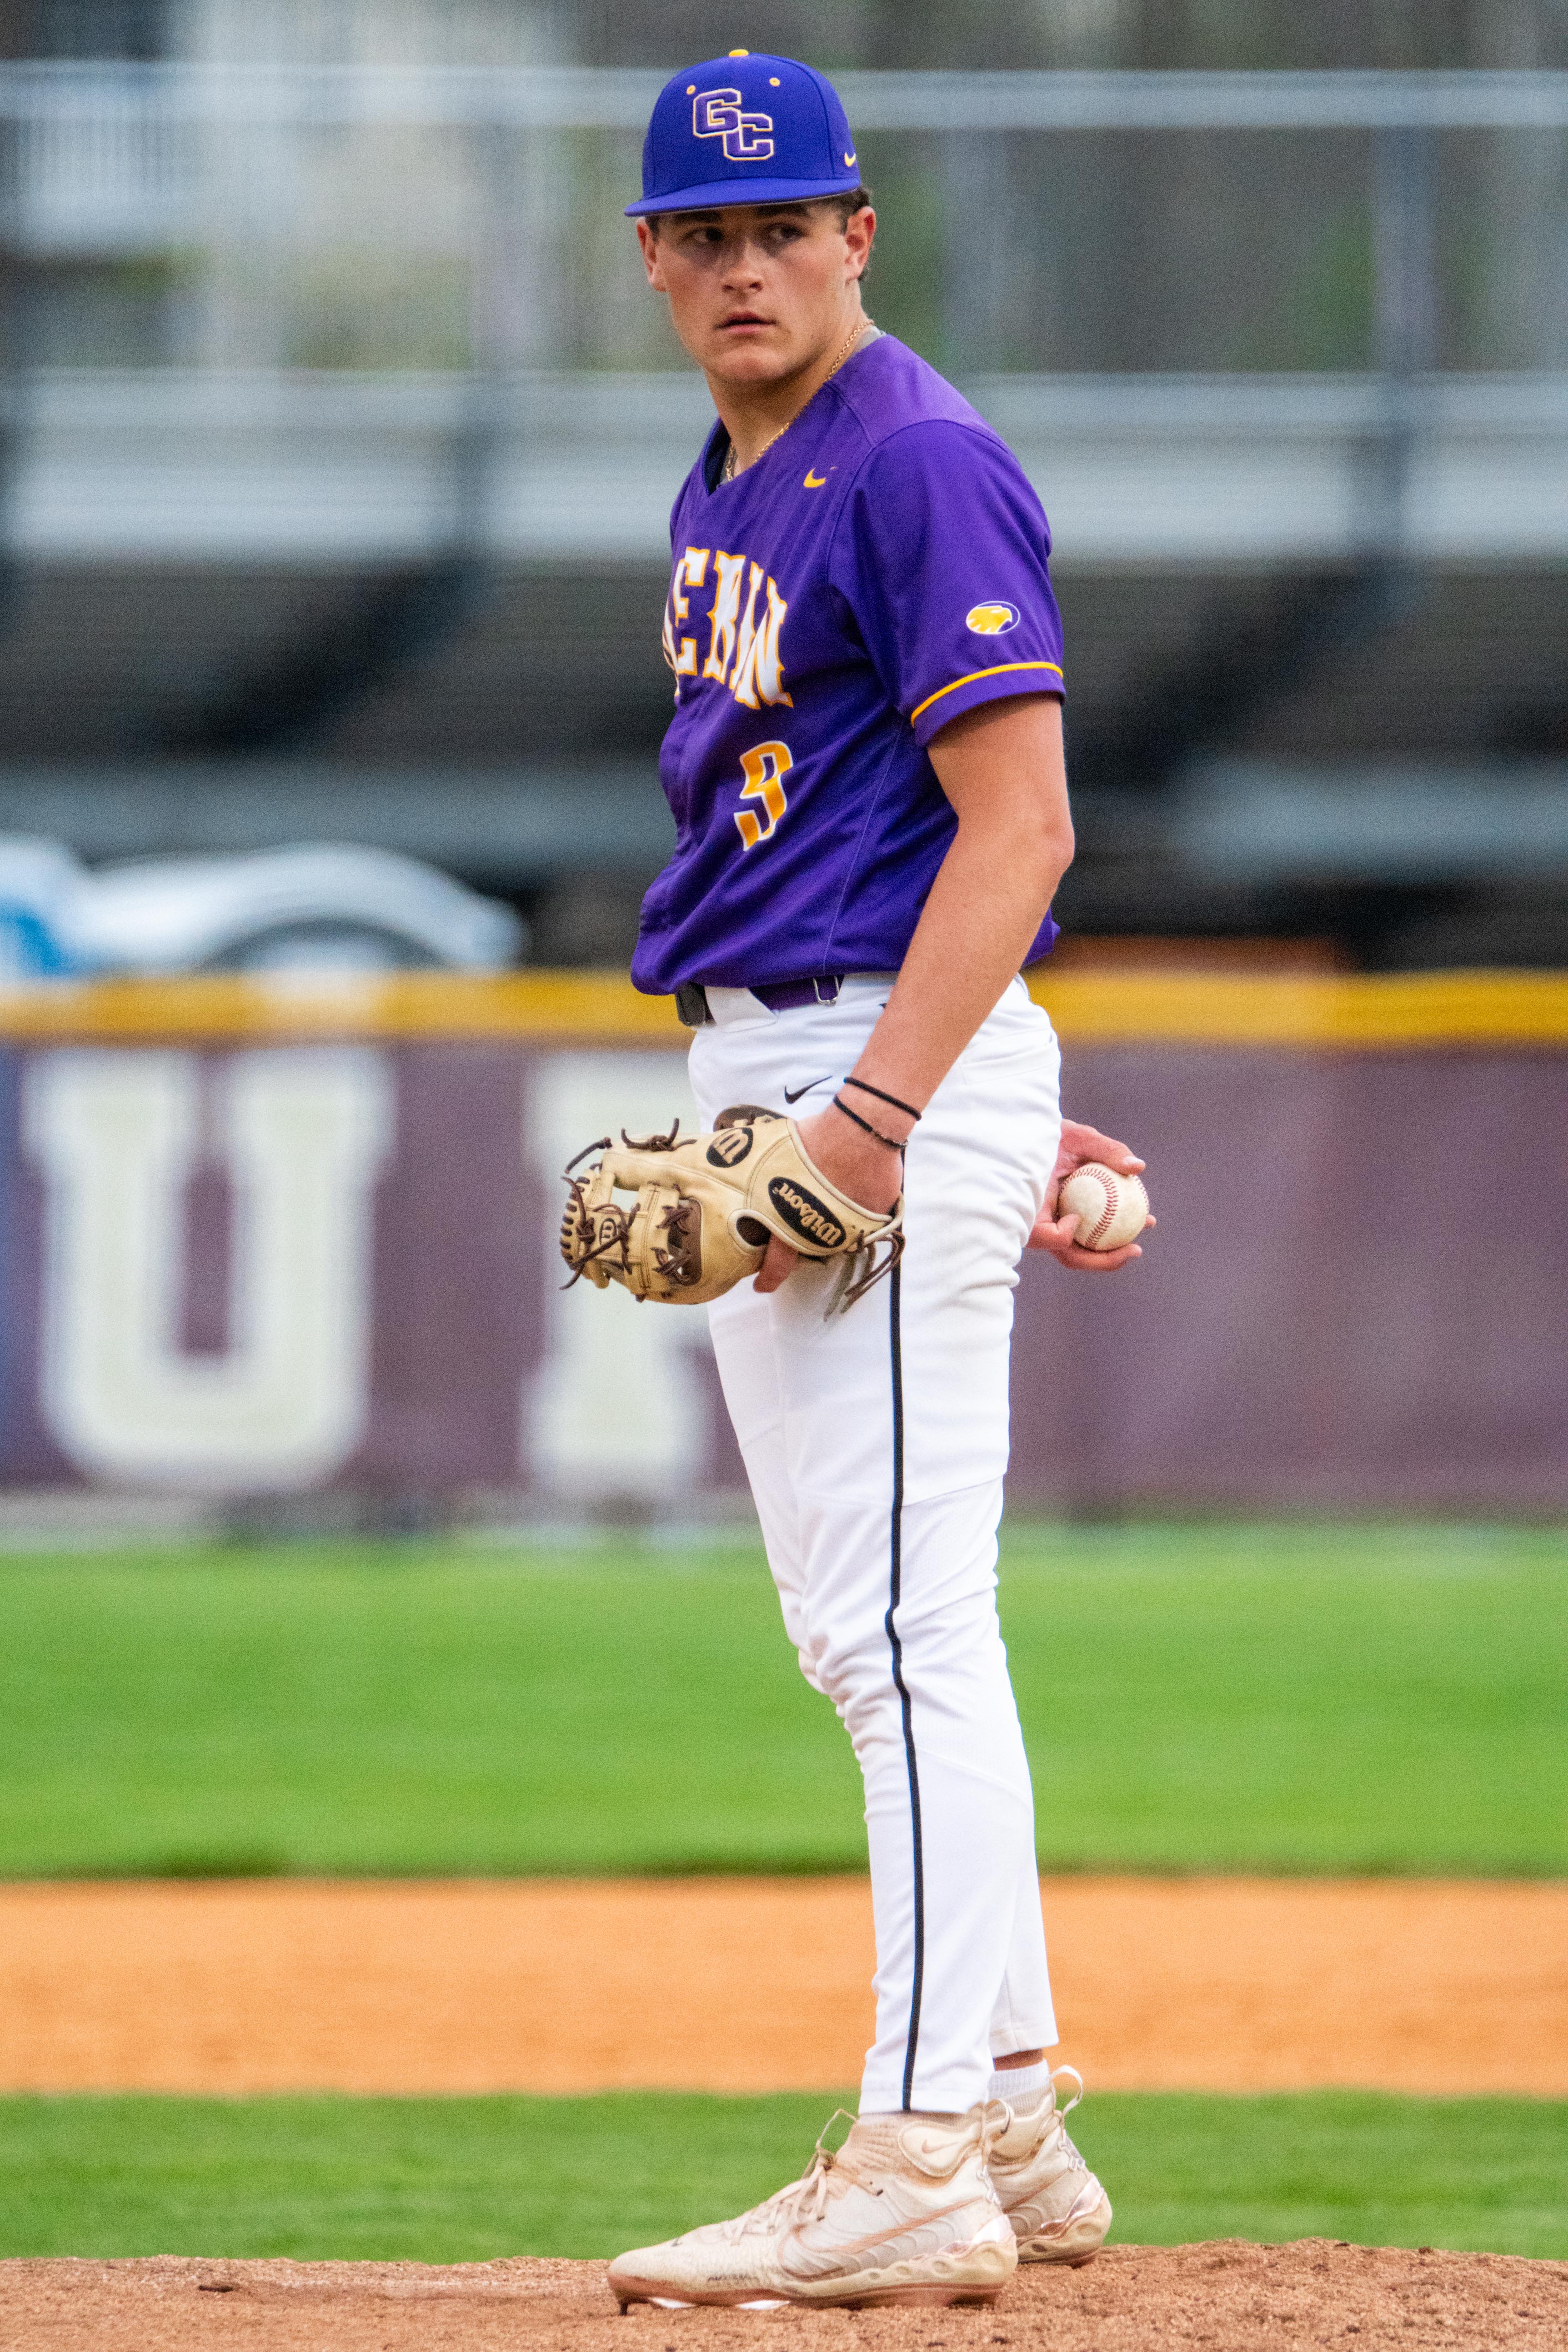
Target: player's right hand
pixel 1055 1235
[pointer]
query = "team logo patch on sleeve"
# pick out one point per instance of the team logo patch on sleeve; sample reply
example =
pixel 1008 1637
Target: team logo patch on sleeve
pixel 991 620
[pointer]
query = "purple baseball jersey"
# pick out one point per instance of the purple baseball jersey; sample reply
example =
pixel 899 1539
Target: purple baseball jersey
pixel 881 568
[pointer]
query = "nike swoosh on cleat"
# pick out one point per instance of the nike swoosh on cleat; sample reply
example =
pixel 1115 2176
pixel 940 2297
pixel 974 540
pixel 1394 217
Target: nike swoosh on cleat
pixel 806 1088
pixel 816 482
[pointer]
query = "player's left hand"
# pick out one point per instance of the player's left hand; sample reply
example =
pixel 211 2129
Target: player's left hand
pixel 866 1169
pixel 1053 1233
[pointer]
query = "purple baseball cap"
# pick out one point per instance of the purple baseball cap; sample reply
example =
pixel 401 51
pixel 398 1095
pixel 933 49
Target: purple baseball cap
pixel 745 130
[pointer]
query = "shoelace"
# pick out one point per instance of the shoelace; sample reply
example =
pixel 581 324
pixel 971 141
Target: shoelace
pixel 1079 2165
pixel 997 2117
pixel 806 2200
pixel 1077 2098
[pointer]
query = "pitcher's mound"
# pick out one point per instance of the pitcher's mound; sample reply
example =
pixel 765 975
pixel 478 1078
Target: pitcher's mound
pixel 1228 2296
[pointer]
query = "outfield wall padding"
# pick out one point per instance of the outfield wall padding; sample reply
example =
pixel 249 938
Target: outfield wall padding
pixel 1355 1297
pixel 323 1259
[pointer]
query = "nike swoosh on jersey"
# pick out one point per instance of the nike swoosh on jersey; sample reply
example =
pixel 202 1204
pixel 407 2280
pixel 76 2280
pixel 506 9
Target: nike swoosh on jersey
pixel 816 482
pixel 807 1087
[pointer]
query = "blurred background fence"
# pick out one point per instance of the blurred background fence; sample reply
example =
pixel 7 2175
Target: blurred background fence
pixel 341 434
pixel 338 434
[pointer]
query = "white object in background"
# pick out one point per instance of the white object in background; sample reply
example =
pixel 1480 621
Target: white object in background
pixel 41 882
pixel 301 1135
pixel 616 1411
pixel 1111 1209
pixel 308 909
pixel 337 909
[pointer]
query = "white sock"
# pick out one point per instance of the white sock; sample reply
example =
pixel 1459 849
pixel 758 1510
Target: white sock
pixel 1020 2085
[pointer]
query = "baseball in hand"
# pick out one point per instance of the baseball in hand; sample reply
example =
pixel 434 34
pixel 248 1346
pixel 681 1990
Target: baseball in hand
pixel 1111 1209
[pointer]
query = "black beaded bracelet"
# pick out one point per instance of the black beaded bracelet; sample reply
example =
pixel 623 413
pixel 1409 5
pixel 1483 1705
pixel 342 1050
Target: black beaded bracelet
pixel 891 1100
pixel 865 1125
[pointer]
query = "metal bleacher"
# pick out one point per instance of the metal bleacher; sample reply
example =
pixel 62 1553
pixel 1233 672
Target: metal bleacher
pixel 250 596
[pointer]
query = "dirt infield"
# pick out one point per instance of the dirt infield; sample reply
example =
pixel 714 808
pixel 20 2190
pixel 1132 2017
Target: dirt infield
pixel 1229 2295
pixel 761 1984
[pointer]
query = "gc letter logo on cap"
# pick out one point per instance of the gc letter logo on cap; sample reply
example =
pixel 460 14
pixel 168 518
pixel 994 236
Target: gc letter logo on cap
pixel 717 114
pixel 745 130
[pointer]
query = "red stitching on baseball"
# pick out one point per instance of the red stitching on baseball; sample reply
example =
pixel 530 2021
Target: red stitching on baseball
pixel 1112 1203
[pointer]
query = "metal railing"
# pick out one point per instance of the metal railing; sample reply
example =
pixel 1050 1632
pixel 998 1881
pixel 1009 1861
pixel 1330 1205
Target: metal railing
pixel 379 223
pixel 147 157
pixel 574 96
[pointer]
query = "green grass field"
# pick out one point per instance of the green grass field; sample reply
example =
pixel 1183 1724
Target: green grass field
pixel 1310 1698
pixel 463 2180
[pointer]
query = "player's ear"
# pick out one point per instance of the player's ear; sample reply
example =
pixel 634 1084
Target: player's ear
pixel 648 238
pixel 859 232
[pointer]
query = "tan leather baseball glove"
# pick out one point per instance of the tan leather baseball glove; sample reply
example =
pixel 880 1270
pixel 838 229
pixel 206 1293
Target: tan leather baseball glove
pixel 704 1209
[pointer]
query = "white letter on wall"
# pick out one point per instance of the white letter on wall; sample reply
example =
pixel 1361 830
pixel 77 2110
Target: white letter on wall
pixel 302 1134
pixel 618 1411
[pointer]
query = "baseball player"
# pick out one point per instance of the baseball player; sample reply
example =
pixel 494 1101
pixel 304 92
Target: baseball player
pixel 865 765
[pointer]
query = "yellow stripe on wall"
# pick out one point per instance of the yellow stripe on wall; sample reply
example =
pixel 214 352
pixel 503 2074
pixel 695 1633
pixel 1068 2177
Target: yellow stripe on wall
pixel 586 1007
pixel 1327 1011
pixel 1312 1011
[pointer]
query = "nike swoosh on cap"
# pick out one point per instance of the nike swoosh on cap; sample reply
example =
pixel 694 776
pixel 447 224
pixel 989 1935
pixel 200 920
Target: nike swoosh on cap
pixel 795 1096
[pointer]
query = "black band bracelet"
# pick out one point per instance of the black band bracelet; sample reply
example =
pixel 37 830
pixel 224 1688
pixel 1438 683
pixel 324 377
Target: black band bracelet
pixel 891 1100
pixel 865 1125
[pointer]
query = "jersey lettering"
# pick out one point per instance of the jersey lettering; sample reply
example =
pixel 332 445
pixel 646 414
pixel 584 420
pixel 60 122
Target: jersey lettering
pixel 690 570
pixel 745 623
pixel 758 675
pixel 764 766
pixel 724 618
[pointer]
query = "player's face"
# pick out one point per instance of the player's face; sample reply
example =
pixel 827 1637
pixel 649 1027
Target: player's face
pixel 758 292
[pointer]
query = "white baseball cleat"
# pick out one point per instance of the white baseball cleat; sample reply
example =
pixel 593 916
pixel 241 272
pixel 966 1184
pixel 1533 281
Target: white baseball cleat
pixel 904 2213
pixel 1058 2212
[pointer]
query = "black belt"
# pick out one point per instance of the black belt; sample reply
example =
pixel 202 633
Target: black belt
pixel 778 995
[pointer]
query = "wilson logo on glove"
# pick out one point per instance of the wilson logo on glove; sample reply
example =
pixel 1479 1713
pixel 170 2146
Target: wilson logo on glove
pixel 806 1218
pixel 705 1208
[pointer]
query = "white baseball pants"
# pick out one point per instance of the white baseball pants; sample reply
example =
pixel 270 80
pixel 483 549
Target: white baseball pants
pixel 876 1445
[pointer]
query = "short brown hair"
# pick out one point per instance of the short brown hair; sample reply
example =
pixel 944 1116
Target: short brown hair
pixel 853 200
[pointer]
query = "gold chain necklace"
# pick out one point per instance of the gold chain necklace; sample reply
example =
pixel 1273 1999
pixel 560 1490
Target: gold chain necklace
pixel 729 469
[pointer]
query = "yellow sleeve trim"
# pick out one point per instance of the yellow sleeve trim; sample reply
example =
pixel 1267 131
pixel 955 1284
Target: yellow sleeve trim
pixel 1001 669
